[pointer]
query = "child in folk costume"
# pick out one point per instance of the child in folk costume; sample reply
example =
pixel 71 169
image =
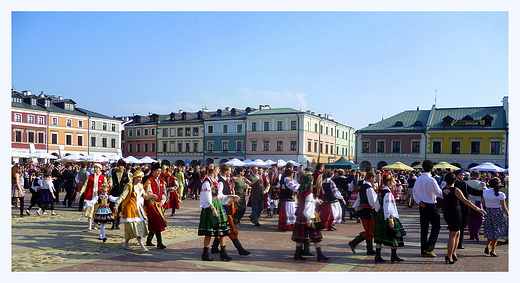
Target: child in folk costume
pixel 331 210
pixel 213 218
pixel 133 215
pixel 47 195
pixel 172 186
pixel 102 212
pixel 307 227
pixel 91 189
pixel 388 229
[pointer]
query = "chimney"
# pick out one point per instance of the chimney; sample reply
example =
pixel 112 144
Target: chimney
pixel 27 92
pixel 180 111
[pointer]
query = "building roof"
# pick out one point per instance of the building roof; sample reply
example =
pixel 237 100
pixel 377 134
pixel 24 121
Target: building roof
pixel 497 114
pixel 273 111
pixel 410 121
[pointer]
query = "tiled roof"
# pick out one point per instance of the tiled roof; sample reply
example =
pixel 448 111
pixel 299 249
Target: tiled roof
pixel 410 122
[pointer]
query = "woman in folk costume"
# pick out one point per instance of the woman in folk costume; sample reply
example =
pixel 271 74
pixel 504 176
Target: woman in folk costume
pixel 91 189
pixel 331 210
pixel 154 210
pixel 307 228
pixel 287 204
pixel 388 229
pixel 133 215
pixel 172 186
pixel 213 219
pixel 102 212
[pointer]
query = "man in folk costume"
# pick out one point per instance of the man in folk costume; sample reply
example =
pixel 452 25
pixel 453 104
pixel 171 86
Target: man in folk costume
pixel 91 188
pixel 154 210
pixel 366 205
pixel 225 185
pixel 119 178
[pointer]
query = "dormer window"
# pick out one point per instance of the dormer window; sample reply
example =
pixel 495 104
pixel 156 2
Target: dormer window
pixel 69 106
pixel 183 116
pixel 398 124
pixel 33 101
pixel 417 124
pixel 47 103
pixel 219 112
pixel 233 112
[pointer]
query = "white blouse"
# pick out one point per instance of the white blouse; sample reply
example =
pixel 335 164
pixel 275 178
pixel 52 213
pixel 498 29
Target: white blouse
pixel 491 200
pixel 205 194
pixel 333 188
pixel 389 205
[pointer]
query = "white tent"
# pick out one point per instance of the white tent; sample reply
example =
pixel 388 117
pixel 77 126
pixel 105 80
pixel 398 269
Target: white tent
pixel 40 154
pixel 147 160
pixel 280 163
pixel 259 163
pixel 487 167
pixel 235 162
pixel 269 161
pixel 247 162
pixel 112 157
pixel 73 156
pixel 15 153
pixel 94 157
pixel 130 159
pixel 294 162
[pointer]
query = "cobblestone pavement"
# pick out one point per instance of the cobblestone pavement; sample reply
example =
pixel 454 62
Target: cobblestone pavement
pixel 62 244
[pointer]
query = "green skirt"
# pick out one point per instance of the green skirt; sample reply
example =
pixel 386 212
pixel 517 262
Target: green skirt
pixel 384 235
pixel 210 225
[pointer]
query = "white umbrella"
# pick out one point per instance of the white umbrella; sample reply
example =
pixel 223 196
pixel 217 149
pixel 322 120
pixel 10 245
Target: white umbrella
pixel 15 153
pixel 131 159
pixel 269 161
pixel 94 157
pixel 487 167
pixel 247 162
pixel 40 154
pixel 235 162
pixel 147 160
pixel 73 156
pixel 294 162
pixel 258 162
pixel 280 163
pixel 112 157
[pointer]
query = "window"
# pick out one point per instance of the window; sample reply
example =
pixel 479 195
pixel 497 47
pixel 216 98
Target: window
pixel 309 146
pixel 104 142
pixel 279 125
pixel 321 147
pixel 80 124
pixel 92 141
pixel 475 147
pixel 146 147
pixel 195 131
pixel 210 145
pixel 224 128
pixel 225 145
pixel 239 128
pixel 321 129
pixel 279 145
pixel 129 147
pixel 266 126
pixel 293 145
pixel 187 131
pixel 455 147
pixel 80 140
pixel 195 147
pixel 69 106
pixel 93 125
pixel 239 146
pixel 68 139
pixel 153 147
pixel 137 147
pixel 47 103
pixel 31 119
pixel 30 137
pixel 138 132
pixel 315 146
pixel 210 129
pixel 416 147
pixel 40 120
pixel 315 127
pixel 18 136
pixel 265 146
pixel 54 121
pixel 437 145
pixel 41 138
pixel 165 132
pixel 254 146
pixel 113 127
pixel 105 126
pixel 54 138
pixel 253 126
pixel 187 147
pixel 293 125
pixel 495 147
pixel 69 123
pixel 145 132
pixel 180 132
pixel 380 147
pixel 164 147
pixel 396 147
pixel 152 132
pixel 33 101
pixel 327 149
pixel 365 147
pixel 173 132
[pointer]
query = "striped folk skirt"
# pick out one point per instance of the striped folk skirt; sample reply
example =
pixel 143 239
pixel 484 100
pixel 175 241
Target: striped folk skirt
pixel 210 225
pixel 384 235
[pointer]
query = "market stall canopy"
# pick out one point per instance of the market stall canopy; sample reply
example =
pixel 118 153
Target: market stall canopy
pixel 40 154
pixel 280 163
pixel 235 162
pixel 247 162
pixel 294 162
pixel 487 167
pixel 259 163
pixel 342 163
pixel 418 166
pixel 15 153
pixel 147 160
pixel 73 156
pixel 397 166
pixel 445 165
pixel 94 157
pixel 130 159
pixel 269 161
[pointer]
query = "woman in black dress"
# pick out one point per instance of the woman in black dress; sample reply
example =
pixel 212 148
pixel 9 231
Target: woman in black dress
pixel 453 215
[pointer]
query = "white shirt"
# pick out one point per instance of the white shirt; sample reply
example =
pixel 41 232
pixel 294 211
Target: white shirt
pixel 389 206
pixel 371 197
pixel 426 189
pixel 491 200
pixel 333 188
pixel 205 194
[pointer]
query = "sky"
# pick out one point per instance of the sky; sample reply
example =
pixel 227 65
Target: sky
pixel 359 67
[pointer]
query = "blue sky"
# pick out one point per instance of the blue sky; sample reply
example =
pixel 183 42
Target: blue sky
pixel 359 67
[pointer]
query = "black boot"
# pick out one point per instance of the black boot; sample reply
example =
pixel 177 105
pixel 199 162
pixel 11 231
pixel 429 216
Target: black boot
pixel 306 249
pixel 298 254
pixel 159 240
pixel 149 239
pixel 355 242
pixel 224 255
pixel 370 247
pixel 118 220
pixel 321 256
pixel 238 246
pixel 378 257
pixel 214 246
pixel 113 225
pixel 205 255
pixel 394 256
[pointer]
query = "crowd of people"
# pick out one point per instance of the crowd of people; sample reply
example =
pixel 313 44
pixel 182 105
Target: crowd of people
pixel 306 201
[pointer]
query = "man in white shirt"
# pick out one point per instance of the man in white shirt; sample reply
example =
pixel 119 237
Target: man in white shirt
pixel 425 193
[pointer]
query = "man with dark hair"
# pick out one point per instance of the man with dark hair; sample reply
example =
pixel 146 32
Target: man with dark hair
pixel 425 193
pixel 69 185
pixel 119 178
pixel 57 180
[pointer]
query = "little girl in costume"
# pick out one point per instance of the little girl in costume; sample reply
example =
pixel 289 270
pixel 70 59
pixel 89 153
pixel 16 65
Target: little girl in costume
pixel 102 213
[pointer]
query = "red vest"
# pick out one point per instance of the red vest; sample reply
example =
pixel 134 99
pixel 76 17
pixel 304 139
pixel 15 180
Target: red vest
pixel 89 192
